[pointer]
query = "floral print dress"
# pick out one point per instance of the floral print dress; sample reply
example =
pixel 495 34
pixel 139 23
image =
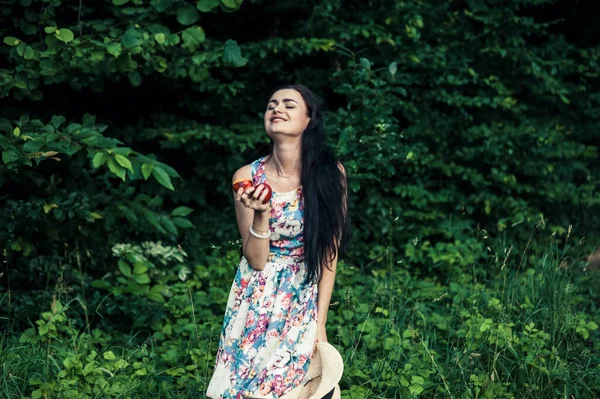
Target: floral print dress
pixel 270 321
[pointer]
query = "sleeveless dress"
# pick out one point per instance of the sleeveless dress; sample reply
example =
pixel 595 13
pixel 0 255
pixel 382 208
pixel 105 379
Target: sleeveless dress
pixel 270 322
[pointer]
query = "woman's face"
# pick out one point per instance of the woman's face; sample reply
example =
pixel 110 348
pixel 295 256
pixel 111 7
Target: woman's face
pixel 286 113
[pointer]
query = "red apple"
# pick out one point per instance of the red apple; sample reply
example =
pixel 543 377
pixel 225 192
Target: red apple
pixel 239 183
pixel 269 191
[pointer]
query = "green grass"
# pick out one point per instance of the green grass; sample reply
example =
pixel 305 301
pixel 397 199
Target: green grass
pixel 509 326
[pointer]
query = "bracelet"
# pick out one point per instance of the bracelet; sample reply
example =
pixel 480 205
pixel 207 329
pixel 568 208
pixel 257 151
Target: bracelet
pixel 261 236
pixel 259 230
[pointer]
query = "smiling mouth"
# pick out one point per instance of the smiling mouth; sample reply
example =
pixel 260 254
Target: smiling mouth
pixel 277 119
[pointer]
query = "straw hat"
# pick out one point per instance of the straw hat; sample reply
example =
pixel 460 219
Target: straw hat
pixel 324 373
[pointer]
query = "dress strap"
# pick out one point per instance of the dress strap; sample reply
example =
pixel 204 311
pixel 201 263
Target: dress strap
pixel 258 171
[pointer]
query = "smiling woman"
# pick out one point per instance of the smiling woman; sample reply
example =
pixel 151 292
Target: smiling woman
pixel 277 307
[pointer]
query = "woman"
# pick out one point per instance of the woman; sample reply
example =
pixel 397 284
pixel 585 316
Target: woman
pixel 277 307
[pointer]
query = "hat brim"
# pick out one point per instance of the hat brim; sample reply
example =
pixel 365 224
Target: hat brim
pixel 331 366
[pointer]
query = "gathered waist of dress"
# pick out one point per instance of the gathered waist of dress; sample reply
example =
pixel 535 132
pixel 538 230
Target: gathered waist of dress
pixel 282 257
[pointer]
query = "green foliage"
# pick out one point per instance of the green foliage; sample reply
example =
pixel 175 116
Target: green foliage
pixel 463 127
pixel 525 334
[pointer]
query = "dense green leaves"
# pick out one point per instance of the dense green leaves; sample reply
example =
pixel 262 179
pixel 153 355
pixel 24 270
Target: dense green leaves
pixel 463 127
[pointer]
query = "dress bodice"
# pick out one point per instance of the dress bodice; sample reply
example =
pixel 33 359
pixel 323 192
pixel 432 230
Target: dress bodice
pixel 286 219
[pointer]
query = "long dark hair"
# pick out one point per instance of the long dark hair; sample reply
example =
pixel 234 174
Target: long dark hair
pixel 324 188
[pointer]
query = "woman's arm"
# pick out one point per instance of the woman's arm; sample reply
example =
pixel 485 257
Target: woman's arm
pixel 252 213
pixel 325 290
pixel 328 278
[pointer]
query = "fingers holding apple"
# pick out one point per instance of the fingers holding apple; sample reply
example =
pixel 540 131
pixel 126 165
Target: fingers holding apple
pixel 243 184
pixel 263 193
pixel 254 197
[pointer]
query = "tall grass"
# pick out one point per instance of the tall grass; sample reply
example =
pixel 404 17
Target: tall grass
pixel 511 325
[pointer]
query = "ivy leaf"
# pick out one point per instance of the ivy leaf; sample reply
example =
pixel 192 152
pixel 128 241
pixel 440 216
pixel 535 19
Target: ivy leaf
pixel 162 177
pixel 207 5
pixel 64 35
pixel 187 15
pixel 132 38
pixel 232 54
pixel 124 162
pixel 147 170
pixel 11 41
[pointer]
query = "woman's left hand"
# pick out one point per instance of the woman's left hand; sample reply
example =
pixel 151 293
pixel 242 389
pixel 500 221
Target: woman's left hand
pixel 321 334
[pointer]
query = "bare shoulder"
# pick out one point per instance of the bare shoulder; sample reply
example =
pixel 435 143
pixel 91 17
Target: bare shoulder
pixel 245 172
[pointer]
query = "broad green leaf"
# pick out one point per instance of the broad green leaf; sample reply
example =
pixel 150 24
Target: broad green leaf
pixel 147 170
pixel 64 35
pixel 417 380
pixel 232 3
pixel 183 223
pixel 132 38
pixel 120 2
pixel 116 169
pixel 393 68
pixel 124 268
pixel 187 15
pixel 135 78
pixel 114 49
pixel 29 53
pixel 207 5
pixel 17 132
pixel 50 29
pixel 156 297
pixel 99 159
pixel 108 355
pixel 365 63
pixel 49 207
pixel 21 49
pixel 169 225
pixel 9 156
pixel 140 268
pixel 232 54
pixel 95 215
pixel 11 41
pixel 193 36
pixel 141 278
pixel 181 211
pixel 161 5
pixel 199 58
pixel 160 38
pixel 162 177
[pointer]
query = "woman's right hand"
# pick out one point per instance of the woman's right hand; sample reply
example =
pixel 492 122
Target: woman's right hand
pixel 253 198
